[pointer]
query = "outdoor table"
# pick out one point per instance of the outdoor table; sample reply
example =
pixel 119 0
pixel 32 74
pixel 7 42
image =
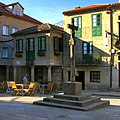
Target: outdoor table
pixel 22 86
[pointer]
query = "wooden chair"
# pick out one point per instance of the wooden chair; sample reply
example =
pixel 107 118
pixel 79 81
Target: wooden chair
pixel 38 88
pixel 3 86
pixel 31 89
pixel 15 90
pixel 9 87
pixel 49 87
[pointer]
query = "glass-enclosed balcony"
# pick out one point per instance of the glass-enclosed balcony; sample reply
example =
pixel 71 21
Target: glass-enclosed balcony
pixel 88 59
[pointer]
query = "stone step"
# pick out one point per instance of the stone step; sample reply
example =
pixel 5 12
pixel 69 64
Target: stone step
pixel 72 97
pixel 96 105
pixel 82 103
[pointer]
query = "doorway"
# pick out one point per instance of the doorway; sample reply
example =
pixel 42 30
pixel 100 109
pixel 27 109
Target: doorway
pixel 81 78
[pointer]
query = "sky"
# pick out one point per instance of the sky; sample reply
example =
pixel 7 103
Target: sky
pixel 50 11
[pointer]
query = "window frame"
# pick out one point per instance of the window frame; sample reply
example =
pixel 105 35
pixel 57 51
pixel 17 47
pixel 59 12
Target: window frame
pixel 56 44
pixel 78 33
pixel 94 78
pixel 2 54
pixel 97 29
pixel 88 46
pixel 18 12
pixel 40 43
pixel 14 29
pixel 19 46
pixel 5 30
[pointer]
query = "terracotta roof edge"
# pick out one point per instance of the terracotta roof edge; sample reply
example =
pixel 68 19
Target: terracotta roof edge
pixel 85 7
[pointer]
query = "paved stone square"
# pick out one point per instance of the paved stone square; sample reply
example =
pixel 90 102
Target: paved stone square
pixel 21 108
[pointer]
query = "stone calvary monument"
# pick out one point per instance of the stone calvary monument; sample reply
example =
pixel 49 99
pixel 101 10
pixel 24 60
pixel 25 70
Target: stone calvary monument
pixel 72 87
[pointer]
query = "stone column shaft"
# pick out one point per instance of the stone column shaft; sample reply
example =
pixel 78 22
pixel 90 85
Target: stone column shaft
pixel 15 73
pixel 49 74
pixel 32 74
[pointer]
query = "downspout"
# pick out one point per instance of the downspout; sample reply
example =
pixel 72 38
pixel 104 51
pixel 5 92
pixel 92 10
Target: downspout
pixel 111 55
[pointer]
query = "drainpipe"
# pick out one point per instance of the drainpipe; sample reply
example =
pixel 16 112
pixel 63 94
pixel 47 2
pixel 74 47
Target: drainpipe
pixel 119 27
pixel 111 55
pixel 110 11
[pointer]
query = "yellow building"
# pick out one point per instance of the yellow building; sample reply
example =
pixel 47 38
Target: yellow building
pixel 96 57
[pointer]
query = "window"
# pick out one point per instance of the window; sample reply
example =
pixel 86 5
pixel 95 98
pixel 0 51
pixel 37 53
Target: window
pixel 5 52
pixel 78 22
pixel 17 12
pixel 19 46
pixel 42 43
pixel 94 76
pixel 87 48
pixel 97 25
pixel 5 30
pixel 14 30
pixel 56 44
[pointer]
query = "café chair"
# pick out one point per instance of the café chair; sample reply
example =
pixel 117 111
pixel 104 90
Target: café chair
pixel 31 89
pixel 15 90
pixel 49 87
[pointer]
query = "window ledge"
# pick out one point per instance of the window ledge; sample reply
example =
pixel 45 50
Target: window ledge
pixel 57 53
pixel 29 63
pixel 41 53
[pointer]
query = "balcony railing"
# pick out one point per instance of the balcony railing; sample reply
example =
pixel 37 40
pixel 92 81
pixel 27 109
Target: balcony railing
pixel 89 59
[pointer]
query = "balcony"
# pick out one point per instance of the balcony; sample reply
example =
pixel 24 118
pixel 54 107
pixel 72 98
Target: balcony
pixel 88 59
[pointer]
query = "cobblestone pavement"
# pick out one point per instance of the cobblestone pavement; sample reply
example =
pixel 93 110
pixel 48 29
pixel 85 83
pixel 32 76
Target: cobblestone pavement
pixel 21 108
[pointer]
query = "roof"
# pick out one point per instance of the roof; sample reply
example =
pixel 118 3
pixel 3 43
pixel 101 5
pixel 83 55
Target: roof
pixel 90 8
pixel 36 29
pixel 25 17
pixel 12 4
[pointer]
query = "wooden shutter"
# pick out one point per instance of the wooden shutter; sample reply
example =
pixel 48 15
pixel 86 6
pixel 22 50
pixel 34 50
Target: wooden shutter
pixel 61 44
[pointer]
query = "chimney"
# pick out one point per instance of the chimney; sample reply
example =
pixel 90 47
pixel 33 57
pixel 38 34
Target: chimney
pixel 77 7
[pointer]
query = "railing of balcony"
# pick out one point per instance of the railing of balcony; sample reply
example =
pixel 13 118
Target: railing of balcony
pixel 91 59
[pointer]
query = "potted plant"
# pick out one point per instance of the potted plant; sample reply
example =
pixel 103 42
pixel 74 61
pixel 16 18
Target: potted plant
pixel 41 53
pixel 57 53
pixel 18 54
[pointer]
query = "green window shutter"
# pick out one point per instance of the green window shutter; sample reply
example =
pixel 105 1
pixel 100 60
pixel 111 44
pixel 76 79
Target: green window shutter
pixel 19 45
pixel 97 24
pixel 56 44
pixel 78 22
pixel 30 49
pixel 42 43
pixel 99 31
pixel 60 44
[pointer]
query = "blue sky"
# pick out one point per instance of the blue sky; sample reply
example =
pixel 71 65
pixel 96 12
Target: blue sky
pixel 50 11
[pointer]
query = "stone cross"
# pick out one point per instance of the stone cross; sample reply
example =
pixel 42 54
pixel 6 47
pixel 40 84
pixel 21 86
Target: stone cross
pixel 72 50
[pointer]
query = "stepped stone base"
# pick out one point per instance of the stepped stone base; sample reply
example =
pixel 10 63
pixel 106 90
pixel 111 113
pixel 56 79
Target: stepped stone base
pixel 76 102
pixel 72 88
